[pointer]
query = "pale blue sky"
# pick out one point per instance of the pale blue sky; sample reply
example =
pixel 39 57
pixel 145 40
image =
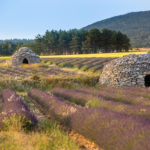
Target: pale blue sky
pixel 27 18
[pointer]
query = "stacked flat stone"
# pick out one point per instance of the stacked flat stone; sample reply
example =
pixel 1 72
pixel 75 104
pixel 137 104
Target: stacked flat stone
pixel 129 70
pixel 24 53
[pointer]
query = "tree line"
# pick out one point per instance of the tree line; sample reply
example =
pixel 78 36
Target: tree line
pixel 72 42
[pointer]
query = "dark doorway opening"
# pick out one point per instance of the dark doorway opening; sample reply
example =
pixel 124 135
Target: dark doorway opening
pixel 25 61
pixel 147 80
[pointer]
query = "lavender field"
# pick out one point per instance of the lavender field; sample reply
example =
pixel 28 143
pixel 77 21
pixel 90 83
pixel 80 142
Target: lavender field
pixel 54 67
pixel 91 65
pixel 67 109
pixel 121 126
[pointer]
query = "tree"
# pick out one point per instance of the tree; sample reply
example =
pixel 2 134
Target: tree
pixel 94 39
pixel 75 45
pixel 63 42
pixel 70 42
pixel 122 43
pixel 39 46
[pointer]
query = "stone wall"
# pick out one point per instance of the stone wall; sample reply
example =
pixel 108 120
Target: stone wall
pixel 129 70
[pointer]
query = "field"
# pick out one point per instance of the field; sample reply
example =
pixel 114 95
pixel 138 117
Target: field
pixel 89 65
pixel 105 55
pixel 89 55
pixel 72 110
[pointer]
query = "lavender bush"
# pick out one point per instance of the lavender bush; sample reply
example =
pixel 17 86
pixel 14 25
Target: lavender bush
pixel 81 63
pixel 13 106
pixel 117 95
pixel 138 91
pixel 85 99
pixel 72 96
pixel 110 130
pixel 51 104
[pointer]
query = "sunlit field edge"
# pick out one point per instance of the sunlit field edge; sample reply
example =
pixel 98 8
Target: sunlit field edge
pixel 94 55
pixel 87 55
pixel 1 57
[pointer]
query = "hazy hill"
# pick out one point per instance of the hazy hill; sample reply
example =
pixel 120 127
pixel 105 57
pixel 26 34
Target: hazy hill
pixel 17 41
pixel 136 25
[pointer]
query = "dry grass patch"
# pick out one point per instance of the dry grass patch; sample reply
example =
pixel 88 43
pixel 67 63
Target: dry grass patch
pixel 47 136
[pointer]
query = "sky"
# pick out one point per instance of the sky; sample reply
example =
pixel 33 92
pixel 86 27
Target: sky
pixel 28 18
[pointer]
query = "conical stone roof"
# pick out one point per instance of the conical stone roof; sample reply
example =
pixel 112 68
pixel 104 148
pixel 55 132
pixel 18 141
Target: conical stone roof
pixel 25 53
pixel 130 70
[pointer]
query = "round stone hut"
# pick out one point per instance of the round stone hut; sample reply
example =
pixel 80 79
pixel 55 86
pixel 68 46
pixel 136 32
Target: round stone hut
pixel 130 70
pixel 24 56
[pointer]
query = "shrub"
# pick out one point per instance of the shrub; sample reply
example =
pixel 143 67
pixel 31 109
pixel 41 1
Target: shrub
pixel 16 122
pixel 50 103
pixel 61 64
pixel 42 65
pixel 35 77
pixel 84 68
pixel 110 130
pixel 68 81
pixel 68 65
pixel 15 114
pixel 13 84
pixel 77 66
pixel 72 96
pixel 117 95
pixel 88 100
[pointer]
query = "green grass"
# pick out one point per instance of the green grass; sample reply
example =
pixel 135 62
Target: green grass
pixel 47 83
pixel 48 136
pixel 16 123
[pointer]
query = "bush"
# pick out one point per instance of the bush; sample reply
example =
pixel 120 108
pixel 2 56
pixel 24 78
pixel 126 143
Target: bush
pixel 35 77
pixel 110 130
pixel 15 114
pixel 117 95
pixel 12 84
pixel 47 100
pixel 72 96
pixel 84 68
pixel 16 122
pixel 89 100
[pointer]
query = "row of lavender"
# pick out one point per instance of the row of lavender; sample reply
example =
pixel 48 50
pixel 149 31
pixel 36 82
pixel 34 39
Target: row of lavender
pixel 109 129
pixel 15 112
pixel 131 104
pixel 84 64
pixel 30 71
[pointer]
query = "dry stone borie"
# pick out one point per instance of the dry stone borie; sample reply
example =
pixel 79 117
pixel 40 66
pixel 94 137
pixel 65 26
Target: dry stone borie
pixel 130 70
pixel 24 56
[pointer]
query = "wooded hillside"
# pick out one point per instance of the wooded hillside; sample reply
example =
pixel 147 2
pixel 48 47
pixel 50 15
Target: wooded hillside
pixel 135 25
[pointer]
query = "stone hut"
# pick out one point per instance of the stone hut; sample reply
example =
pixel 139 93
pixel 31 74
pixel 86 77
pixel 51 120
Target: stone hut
pixel 130 70
pixel 24 56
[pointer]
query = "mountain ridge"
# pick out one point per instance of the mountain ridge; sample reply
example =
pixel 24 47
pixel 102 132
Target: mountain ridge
pixel 135 24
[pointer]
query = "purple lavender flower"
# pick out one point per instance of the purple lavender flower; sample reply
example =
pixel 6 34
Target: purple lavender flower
pixel 111 130
pixel 117 95
pixel 13 105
